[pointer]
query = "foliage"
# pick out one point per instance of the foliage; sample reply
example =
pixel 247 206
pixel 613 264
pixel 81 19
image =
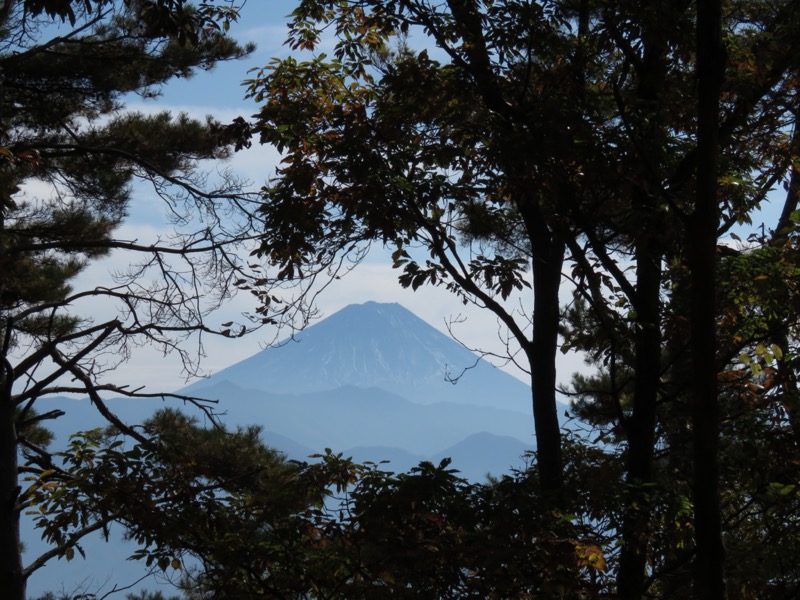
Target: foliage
pixel 261 527
pixel 145 595
pixel 487 144
pixel 370 533
pixel 71 158
pixel 181 483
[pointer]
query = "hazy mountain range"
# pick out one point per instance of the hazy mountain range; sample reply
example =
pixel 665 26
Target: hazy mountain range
pixel 375 376
pixel 371 378
pixel 372 381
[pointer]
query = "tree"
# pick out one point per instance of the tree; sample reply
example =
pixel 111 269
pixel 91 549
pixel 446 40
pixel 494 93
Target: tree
pixel 184 495
pixel 704 224
pixel 69 155
pixel 182 491
pixel 455 158
pixel 613 139
pixel 703 200
pixel 369 533
pixel 758 451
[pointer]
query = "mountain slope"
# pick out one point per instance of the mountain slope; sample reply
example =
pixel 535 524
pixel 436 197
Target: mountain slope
pixel 484 453
pixel 350 416
pixel 377 345
pixel 370 381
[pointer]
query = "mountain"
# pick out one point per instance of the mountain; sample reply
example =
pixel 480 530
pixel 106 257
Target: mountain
pixel 391 459
pixel 485 453
pixel 375 376
pixel 474 457
pixel 371 376
pixel 370 381
pixel 374 345
pixel 350 416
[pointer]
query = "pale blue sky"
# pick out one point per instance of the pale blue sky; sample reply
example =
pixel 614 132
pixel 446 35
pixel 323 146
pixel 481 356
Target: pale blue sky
pixel 262 22
pixel 220 93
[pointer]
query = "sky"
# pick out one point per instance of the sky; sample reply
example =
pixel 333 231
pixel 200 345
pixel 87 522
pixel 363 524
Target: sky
pixel 220 93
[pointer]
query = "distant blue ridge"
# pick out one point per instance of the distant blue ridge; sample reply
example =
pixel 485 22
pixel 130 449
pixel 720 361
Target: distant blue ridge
pixel 370 381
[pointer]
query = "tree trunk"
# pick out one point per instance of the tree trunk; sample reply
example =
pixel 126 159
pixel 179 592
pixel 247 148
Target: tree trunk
pixel 780 329
pixel 547 263
pixel 641 426
pixel 12 581
pixel 709 551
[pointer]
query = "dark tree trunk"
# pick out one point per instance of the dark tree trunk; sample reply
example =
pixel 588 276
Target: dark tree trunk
pixel 709 551
pixel 548 251
pixel 12 581
pixel 641 426
pixel 547 264
pixel 646 301
pixel 787 377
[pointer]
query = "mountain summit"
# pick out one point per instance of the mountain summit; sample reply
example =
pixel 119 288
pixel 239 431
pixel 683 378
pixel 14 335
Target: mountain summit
pixel 377 345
